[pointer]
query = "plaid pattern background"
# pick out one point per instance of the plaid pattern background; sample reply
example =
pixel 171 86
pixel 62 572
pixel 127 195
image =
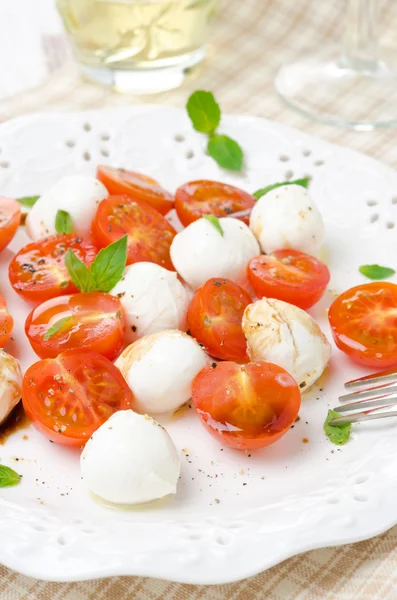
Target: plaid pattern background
pixel 250 40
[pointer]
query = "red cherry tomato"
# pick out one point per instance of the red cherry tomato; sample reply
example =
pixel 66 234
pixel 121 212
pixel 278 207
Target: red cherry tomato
pixel 6 323
pixel 289 275
pixel 364 324
pixel 246 406
pixel 10 218
pixel 140 188
pixel 149 233
pixel 205 197
pixel 67 398
pixel 94 321
pixel 214 318
pixel 38 271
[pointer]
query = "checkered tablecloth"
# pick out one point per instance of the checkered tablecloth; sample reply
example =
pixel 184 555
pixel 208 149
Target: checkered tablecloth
pixel 250 40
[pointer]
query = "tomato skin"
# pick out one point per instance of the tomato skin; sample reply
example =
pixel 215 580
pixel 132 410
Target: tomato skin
pixel 38 272
pixel 149 233
pixel 6 323
pixel 289 275
pixel 246 406
pixel 10 219
pixel 97 323
pixel 139 187
pixel 205 197
pixel 69 397
pixel 214 318
pixel 364 324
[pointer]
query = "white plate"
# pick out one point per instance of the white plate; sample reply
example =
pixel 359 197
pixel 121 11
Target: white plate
pixel 274 504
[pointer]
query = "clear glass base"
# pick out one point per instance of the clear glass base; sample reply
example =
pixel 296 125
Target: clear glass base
pixel 334 90
pixel 162 77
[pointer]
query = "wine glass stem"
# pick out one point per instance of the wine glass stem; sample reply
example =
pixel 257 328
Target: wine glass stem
pixel 361 43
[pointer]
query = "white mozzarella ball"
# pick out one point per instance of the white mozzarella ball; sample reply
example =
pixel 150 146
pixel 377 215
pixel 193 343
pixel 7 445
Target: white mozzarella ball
pixel 287 336
pixel 200 251
pixel 287 217
pixel 78 195
pixel 130 459
pixel 153 299
pixel 10 384
pixel 160 368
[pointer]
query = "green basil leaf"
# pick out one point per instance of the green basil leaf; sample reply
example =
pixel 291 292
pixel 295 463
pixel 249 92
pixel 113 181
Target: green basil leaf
pixel 56 327
pixel 215 222
pixel 8 477
pixel 227 153
pixel 376 271
pixel 108 267
pixel 304 182
pixel 79 273
pixel 337 434
pixel 28 201
pixel 63 222
pixel 204 111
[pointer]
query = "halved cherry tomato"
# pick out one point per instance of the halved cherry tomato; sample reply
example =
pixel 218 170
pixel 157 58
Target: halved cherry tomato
pixel 67 398
pixel 149 233
pixel 139 187
pixel 364 324
pixel 6 323
pixel 205 197
pixel 289 275
pixel 246 406
pixel 10 218
pixel 214 318
pixel 94 321
pixel 38 271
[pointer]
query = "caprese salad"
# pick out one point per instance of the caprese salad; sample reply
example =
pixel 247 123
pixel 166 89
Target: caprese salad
pixel 131 318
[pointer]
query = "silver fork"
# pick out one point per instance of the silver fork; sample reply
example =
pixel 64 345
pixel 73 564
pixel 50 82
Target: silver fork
pixel 369 398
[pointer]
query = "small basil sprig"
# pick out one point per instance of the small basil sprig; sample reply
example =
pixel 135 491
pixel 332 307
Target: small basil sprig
pixel 215 223
pixel 28 201
pixel 304 182
pixel 376 271
pixel 205 114
pixel 337 434
pixel 106 270
pixel 56 327
pixel 63 222
pixel 8 477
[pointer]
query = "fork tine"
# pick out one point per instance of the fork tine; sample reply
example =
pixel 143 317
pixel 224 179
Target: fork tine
pixel 363 416
pixel 372 392
pixel 390 375
pixel 368 403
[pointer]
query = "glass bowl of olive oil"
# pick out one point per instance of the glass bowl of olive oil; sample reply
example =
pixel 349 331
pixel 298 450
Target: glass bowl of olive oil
pixel 138 46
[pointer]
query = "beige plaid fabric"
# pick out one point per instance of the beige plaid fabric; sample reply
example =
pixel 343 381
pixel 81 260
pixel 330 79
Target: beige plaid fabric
pixel 250 40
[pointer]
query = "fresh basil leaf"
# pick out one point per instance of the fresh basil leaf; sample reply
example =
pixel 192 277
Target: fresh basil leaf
pixel 108 267
pixel 204 111
pixel 79 273
pixel 215 222
pixel 227 153
pixel 63 222
pixel 28 201
pixel 56 327
pixel 376 271
pixel 8 477
pixel 337 434
pixel 304 182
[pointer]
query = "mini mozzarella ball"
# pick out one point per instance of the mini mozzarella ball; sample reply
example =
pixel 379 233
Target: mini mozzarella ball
pixel 10 384
pixel 287 336
pixel 160 368
pixel 130 459
pixel 78 195
pixel 200 251
pixel 287 217
pixel 153 299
